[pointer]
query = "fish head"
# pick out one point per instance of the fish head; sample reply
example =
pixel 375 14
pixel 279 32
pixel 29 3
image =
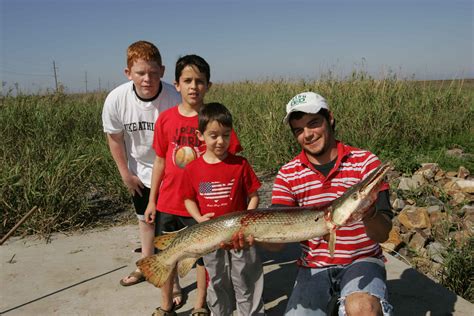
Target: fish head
pixel 354 204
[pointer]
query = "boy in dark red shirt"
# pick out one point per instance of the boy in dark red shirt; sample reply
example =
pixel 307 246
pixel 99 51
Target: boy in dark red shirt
pixel 215 184
pixel 176 144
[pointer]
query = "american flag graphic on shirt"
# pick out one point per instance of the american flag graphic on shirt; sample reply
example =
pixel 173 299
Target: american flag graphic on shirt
pixel 215 190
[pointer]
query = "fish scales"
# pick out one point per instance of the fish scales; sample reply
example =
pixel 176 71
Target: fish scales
pixel 277 225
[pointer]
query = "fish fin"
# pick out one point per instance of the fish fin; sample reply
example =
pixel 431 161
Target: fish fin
pixel 163 241
pixel 332 242
pixel 185 265
pixel 154 270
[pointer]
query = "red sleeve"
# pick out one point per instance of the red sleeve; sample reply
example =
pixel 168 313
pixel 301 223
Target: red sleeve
pixel 281 192
pixel 234 144
pixel 187 189
pixel 251 182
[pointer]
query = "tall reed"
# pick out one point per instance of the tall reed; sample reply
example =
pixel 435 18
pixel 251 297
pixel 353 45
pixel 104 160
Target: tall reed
pixel 402 121
pixel 54 156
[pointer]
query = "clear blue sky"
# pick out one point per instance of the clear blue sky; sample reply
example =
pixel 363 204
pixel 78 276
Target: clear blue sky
pixel 241 39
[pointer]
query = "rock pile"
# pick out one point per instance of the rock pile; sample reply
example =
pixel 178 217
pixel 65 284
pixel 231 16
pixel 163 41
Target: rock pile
pixel 433 208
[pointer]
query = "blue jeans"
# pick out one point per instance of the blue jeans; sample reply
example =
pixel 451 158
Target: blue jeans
pixel 314 288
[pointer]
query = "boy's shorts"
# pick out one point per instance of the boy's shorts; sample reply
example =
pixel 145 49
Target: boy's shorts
pixel 141 202
pixel 315 288
pixel 170 223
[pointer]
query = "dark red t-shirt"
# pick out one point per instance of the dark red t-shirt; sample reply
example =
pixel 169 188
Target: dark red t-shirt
pixel 220 188
pixel 175 140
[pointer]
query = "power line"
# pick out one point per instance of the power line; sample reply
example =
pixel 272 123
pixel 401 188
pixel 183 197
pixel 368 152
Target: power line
pixel 24 74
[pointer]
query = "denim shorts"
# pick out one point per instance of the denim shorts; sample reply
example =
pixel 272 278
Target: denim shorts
pixel 316 288
pixel 141 202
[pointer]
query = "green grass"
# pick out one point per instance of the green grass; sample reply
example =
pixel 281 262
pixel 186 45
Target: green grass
pixel 54 155
pixel 405 122
pixel 458 267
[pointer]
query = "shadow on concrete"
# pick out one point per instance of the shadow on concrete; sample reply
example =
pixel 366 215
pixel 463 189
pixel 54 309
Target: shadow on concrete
pixel 280 273
pixel 410 292
pixel 414 294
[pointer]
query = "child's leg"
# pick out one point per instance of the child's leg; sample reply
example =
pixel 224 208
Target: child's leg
pixel 247 279
pixel 166 221
pixel 147 234
pixel 220 295
pixel 147 231
pixel 167 293
pixel 201 285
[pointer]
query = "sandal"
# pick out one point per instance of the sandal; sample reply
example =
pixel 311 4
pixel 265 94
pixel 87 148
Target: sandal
pixel 161 312
pixel 203 311
pixel 178 295
pixel 139 277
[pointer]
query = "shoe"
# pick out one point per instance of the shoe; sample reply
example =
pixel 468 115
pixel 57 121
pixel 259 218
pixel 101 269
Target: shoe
pixel 178 295
pixel 139 277
pixel 161 312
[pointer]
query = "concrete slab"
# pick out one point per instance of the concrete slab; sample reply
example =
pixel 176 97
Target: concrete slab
pixel 79 274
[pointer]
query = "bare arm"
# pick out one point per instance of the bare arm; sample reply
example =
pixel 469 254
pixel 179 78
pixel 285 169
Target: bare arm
pixel 117 149
pixel 253 201
pixel 193 210
pixel 156 177
pixel 377 226
pixel 378 222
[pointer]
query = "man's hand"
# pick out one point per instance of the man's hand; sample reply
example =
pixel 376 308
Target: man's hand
pixel 133 184
pixel 238 242
pixel 370 215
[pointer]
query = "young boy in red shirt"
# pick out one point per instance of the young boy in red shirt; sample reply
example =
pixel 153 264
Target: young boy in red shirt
pixel 216 184
pixel 176 144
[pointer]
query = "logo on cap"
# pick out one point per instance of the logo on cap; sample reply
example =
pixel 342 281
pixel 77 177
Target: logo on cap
pixel 300 98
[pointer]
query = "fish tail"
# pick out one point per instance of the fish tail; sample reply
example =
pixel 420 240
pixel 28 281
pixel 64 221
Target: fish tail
pixel 154 270
pixel 185 265
pixel 163 241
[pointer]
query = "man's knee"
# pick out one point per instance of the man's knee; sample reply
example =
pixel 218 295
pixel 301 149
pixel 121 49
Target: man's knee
pixel 361 303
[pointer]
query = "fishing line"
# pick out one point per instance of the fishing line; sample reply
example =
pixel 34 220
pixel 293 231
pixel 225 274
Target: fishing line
pixel 63 289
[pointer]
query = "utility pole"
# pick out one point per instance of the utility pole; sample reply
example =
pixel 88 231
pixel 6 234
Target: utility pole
pixel 99 85
pixel 55 76
pixel 86 81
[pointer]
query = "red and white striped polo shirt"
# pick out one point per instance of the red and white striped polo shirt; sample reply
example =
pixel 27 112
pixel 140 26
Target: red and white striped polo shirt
pixel 299 184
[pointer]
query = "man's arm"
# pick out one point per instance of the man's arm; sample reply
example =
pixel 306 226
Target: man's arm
pixel 117 149
pixel 156 176
pixel 378 223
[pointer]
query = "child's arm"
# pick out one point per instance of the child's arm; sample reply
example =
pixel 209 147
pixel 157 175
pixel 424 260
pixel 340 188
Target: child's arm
pixel 156 176
pixel 193 210
pixel 253 201
pixel 117 149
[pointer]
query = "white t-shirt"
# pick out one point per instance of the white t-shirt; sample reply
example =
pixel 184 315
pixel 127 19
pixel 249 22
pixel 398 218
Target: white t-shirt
pixel 124 112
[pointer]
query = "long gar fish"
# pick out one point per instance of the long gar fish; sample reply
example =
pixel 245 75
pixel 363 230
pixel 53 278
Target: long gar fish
pixel 274 225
